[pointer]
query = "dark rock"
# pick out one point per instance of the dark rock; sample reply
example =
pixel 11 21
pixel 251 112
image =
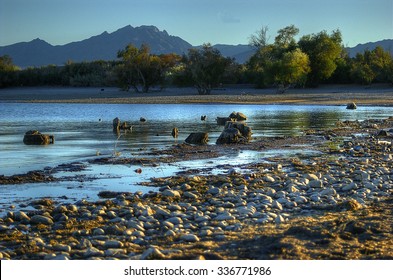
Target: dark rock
pixel 238 116
pixel 382 133
pixel 197 138
pixel 235 133
pixel 223 120
pixel 175 132
pixel 242 127
pixel 351 106
pixel 231 136
pixel 118 125
pixel 40 219
pixel 34 137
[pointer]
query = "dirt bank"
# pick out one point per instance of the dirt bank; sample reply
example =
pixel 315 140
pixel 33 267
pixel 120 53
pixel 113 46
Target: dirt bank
pixel 381 95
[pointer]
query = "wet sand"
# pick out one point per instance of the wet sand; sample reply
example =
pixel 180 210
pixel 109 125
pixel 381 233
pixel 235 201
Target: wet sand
pixel 381 95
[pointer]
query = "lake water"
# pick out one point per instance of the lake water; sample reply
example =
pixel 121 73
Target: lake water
pixel 84 130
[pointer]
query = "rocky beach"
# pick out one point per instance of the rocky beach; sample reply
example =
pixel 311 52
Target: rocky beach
pixel 336 204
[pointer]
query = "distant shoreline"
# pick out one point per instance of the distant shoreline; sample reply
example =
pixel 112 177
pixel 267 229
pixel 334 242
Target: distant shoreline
pixel 374 95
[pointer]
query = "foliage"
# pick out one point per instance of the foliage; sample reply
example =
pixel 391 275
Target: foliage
pixel 141 70
pixel 260 39
pixel 205 67
pixel 323 50
pixel 372 66
pixel 7 71
pixel 282 63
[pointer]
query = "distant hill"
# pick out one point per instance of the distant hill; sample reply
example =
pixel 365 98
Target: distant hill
pixel 101 47
pixel 106 45
pixel 241 53
pixel 386 44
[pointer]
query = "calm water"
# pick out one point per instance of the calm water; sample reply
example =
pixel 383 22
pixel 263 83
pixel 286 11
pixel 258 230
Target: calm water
pixel 84 130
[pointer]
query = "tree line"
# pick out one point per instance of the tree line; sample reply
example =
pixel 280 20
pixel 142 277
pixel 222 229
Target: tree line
pixel 307 62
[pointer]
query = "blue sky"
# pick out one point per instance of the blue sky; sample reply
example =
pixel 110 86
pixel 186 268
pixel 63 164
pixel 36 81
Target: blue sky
pixel 197 21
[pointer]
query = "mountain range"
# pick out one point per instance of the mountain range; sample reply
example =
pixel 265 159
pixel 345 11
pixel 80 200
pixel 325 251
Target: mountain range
pixel 106 45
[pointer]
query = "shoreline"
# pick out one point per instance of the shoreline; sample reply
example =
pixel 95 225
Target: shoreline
pixel 375 95
pixel 334 206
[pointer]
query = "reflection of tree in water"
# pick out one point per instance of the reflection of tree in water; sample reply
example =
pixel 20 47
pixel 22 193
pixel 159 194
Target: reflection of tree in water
pixel 278 123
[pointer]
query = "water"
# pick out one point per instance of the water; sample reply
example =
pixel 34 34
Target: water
pixel 83 131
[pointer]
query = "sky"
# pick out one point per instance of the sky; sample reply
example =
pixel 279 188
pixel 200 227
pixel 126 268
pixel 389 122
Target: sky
pixel 197 21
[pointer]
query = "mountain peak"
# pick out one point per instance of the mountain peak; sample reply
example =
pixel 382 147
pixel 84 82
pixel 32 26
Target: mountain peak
pixel 100 47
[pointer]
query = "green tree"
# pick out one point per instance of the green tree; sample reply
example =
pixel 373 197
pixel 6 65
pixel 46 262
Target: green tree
pixel 372 66
pixel 8 72
pixel 141 70
pixel 323 50
pixel 282 64
pixel 206 67
pixel 291 69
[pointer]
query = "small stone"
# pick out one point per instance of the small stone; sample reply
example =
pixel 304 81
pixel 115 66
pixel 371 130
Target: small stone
pixel 170 193
pixel 190 195
pixel 169 233
pixel 114 252
pixel 350 186
pixel 40 219
pixel 224 217
pixel 113 244
pixel 62 247
pixel 4 228
pixel 175 220
pixel 277 205
pixel 21 216
pixel 189 238
pixel 152 253
pixel 93 252
pixel 98 231
pixel 162 212
pixel 279 219
pixel 328 191
pixel 268 179
pixel 315 184
pixel 213 190
pixel 311 177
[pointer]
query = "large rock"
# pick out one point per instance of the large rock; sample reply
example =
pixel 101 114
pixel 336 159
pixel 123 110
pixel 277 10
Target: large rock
pixel 242 127
pixel 197 138
pixel 233 117
pixel 231 136
pixel 238 116
pixel 34 137
pixel 235 133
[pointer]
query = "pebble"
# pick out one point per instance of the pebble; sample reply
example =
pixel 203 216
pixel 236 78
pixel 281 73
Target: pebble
pixel 170 193
pixel 315 184
pixel 40 219
pixel 113 244
pixel 62 247
pixel 224 217
pixel 189 238
pixel 152 253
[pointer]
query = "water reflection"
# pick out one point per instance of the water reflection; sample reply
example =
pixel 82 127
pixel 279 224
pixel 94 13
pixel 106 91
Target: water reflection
pixel 85 130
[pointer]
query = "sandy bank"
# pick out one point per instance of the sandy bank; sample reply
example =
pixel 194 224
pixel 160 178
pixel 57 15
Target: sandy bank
pixel 381 95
